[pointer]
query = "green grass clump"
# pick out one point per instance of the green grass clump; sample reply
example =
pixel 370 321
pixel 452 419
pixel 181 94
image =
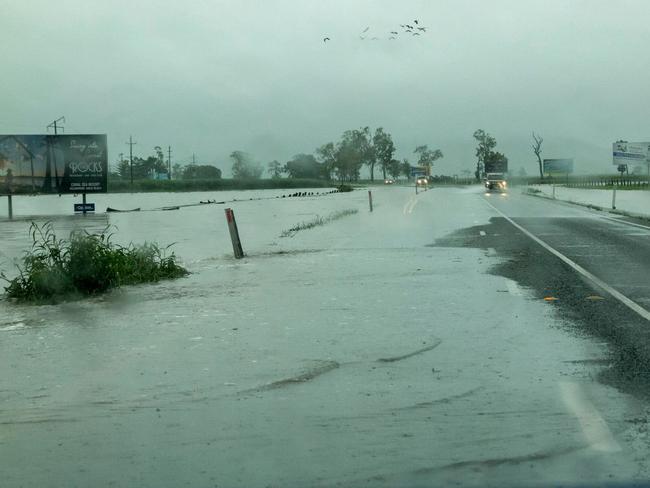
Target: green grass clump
pixel 318 220
pixel 85 264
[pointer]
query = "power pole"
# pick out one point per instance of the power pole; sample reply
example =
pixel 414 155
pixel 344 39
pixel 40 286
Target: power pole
pixel 119 163
pixel 56 125
pixel 131 143
pixel 169 162
pixel 193 159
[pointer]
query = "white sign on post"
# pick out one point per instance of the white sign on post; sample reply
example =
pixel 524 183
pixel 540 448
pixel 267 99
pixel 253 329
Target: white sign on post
pixel 630 153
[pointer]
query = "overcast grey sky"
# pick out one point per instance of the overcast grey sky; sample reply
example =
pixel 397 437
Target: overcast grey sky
pixel 210 77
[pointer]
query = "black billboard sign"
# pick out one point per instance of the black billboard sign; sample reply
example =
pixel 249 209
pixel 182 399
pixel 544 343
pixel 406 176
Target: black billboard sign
pixel 63 163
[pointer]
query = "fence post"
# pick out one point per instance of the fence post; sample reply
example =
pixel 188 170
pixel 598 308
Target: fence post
pixel 370 199
pixel 234 234
pixel 10 207
pixel 614 199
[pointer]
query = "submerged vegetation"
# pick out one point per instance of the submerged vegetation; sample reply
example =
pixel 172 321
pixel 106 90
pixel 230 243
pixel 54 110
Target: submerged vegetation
pixel 318 220
pixel 85 264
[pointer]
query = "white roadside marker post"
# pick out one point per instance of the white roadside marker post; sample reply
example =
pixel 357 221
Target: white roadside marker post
pixel 370 199
pixel 10 207
pixel 234 234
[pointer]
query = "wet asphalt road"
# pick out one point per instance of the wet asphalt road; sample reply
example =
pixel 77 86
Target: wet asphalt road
pixel 613 249
pixel 410 346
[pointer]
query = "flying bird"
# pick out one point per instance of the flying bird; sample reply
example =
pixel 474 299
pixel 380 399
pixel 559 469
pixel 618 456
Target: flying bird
pixel 391 37
pixel 423 29
pixel 375 39
pixel 416 33
pixel 416 21
pixel 366 29
pixel 409 26
pixel 326 39
pixel 393 32
pixel 362 38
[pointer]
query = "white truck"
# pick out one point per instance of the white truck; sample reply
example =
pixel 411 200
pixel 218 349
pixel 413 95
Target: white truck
pixel 496 182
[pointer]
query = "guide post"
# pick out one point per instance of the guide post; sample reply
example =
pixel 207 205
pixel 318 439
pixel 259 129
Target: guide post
pixel 234 234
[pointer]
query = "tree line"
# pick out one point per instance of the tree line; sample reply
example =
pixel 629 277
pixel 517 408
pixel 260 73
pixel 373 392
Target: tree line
pixel 154 167
pixel 342 160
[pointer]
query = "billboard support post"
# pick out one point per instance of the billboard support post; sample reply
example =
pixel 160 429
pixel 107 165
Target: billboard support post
pixel 83 199
pixel 370 199
pixel 10 207
pixel 614 199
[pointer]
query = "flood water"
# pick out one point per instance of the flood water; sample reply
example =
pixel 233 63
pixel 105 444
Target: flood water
pixel 196 231
pixel 353 353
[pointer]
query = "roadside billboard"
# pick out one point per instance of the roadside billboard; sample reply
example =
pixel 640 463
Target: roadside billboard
pixel 420 171
pixel 65 163
pixel 630 153
pixel 558 166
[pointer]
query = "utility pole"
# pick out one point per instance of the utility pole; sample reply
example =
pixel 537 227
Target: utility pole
pixel 56 125
pixel 193 159
pixel 169 162
pixel 131 143
pixel 119 163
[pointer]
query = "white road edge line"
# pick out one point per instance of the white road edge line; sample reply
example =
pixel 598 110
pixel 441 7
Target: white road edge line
pixel 625 222
pixel 576 267
pixel 593 426
pixel 594 214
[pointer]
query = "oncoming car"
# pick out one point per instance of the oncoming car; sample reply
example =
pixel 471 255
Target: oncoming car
pixel 422 181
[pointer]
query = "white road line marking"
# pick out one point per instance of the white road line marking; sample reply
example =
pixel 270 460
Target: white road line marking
pixel 513 288
pixel 415 202
pixel 596 215
pixel 482 232
pixel 594 279
pixel 410 205
pixel 625 222
pixel 593 426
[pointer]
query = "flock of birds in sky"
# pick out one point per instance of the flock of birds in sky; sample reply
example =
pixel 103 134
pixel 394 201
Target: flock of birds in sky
pixel 412 30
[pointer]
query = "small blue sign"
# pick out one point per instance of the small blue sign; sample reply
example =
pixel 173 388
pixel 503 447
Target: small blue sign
pixel 84 207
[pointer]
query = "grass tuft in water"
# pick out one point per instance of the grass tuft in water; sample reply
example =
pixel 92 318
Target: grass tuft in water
pixel 318 220
pixel 85 264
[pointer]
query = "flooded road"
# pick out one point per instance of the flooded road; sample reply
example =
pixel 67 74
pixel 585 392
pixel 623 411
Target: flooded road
pixel 358 352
